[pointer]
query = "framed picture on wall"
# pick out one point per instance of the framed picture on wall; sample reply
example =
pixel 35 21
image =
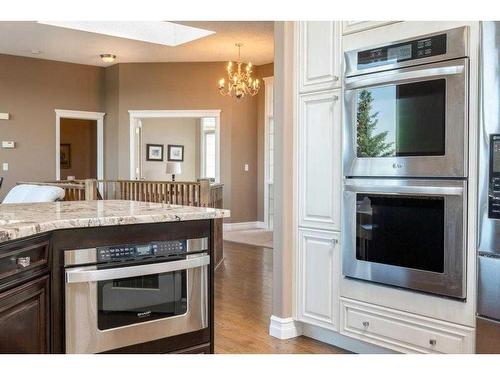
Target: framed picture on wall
pixel 175 153
pixel 65 155
pixel 154 152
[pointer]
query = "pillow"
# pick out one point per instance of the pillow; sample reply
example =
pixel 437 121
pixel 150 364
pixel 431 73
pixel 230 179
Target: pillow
pixel 34 194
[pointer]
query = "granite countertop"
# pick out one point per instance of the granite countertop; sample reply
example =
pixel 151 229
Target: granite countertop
pixel 26 219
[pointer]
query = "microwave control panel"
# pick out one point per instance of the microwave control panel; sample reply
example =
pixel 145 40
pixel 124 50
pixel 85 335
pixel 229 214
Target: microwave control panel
pixel 153 249
pixel 494 180
pixel 411 50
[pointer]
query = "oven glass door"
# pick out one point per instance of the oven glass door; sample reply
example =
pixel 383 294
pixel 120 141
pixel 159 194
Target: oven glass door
pixel 401 230
pixel 407 122
pixel 122 302
pixel 407 233
pixel 406 119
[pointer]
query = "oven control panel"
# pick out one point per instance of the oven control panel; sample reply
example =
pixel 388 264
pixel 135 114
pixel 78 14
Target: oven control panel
pixel 411 50
pixel 494 180
pixel 152 249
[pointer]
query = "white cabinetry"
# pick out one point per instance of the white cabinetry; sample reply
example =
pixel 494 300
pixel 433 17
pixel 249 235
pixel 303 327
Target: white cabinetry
pixel 402 331
pixel 320 55
pixel 319 145
pixel 318 268
pixel 349 27
pixel 319 179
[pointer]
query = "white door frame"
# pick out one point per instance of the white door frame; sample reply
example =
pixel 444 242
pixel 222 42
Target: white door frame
pixel 137 115
pixel 268 111
pixel 81 115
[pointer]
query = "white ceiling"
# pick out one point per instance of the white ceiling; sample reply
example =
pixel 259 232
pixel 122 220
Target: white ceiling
pixel 23 38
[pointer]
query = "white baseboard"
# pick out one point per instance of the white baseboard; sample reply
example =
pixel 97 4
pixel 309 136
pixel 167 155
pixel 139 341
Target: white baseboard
pixel 228 227
pixel 284 328
pixel 341 341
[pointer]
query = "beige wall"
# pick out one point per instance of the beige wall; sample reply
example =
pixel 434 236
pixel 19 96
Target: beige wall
pixel 30 90
pixel 81 135
pixel 189 86
pixel 263 71
pixel 173 131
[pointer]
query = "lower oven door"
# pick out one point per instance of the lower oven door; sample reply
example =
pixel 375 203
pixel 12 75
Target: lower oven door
pixel 116 307
pixel 406 233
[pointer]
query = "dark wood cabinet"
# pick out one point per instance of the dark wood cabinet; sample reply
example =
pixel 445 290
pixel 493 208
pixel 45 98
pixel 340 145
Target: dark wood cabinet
pixel 24 318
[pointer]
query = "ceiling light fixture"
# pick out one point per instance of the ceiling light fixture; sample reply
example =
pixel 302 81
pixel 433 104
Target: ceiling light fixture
pixel 108 57
pixel 240 82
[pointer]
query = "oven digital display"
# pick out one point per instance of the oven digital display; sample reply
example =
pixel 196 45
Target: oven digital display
pixel 399 53
pixel 143 250
pixel 411 50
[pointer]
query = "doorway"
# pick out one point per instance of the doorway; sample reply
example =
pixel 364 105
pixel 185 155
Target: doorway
pixel 79 144
pixel 188 138
pixel 78 149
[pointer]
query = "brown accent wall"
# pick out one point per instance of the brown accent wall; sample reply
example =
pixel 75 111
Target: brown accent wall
pixel 263 71
pixel 191 86
pixel 30 90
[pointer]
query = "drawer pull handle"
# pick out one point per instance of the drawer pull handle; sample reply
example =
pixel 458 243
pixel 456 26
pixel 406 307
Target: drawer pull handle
pixel 432 342
pixel 23 262
pixel 366 324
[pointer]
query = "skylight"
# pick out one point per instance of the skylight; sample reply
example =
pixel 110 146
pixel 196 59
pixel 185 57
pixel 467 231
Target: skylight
pixel 158 32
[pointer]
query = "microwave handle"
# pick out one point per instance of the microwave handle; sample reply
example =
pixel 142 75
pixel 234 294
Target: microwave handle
pixel 90 274
pixel 397 190
pixel 388 78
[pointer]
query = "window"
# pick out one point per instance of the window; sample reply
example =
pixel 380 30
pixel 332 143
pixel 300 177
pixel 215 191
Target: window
pixel 208 147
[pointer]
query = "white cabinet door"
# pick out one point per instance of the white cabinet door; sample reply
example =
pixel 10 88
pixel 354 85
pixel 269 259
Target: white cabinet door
pixel 317 278
pixel 349 27
pixel 319 58
pixel 319 155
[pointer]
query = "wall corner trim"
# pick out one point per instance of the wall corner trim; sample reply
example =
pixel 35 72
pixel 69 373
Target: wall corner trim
pixel 284 328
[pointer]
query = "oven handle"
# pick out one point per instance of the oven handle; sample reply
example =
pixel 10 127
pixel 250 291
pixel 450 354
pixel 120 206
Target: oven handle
pixel 89 274
pixel 395 190
pixel 392 77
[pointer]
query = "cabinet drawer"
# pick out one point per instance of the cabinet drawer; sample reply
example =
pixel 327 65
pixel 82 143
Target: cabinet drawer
pixel 23 257
pixel 401 331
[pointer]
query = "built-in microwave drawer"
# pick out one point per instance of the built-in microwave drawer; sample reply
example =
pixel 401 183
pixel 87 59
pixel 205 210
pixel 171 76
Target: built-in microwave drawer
pixel 402 331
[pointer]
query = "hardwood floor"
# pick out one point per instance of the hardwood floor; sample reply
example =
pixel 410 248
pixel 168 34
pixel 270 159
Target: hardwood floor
pixel 243 292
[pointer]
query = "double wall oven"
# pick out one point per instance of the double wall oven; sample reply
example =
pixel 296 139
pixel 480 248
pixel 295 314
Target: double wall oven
pixel 405 163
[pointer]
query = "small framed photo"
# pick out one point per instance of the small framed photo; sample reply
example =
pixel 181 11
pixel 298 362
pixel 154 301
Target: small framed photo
pixel 65 155
pixel 154 152
pixel 175 153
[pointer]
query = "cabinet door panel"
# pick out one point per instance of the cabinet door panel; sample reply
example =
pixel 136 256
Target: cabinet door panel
pixel 318 273
pixel 319 55
pixel 350 27
pixel 319 150
pixel 24 318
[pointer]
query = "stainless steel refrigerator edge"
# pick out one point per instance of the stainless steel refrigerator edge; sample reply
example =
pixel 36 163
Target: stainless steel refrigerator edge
pixel 488 306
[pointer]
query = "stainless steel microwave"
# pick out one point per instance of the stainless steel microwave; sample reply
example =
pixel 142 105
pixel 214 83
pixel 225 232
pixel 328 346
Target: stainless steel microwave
pixel 406 108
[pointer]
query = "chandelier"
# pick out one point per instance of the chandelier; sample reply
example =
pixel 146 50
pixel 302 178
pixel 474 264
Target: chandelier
pixel 240 81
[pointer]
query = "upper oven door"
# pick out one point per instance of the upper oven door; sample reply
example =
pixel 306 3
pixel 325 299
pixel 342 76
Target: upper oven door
pixel 409 122
pixel 407 233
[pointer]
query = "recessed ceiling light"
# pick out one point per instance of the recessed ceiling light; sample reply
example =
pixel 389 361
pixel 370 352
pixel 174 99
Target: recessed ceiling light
pixel 36 51
pixel 158 32
pixel 108 57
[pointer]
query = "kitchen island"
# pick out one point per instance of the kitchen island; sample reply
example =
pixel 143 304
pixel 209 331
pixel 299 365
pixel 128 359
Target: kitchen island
pixel 106 276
